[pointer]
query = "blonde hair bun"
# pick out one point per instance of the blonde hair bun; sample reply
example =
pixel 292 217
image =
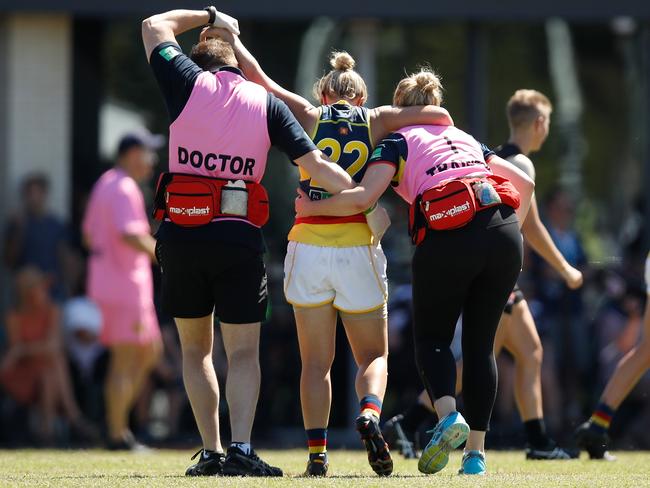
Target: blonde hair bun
pixel 421 88
pixel 342 61
pixel 427 81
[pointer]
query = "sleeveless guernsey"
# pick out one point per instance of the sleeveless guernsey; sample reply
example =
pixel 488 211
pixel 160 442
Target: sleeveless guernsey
pixel 343 134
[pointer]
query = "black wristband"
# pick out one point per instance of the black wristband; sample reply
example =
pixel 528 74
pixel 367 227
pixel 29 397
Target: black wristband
pixel 213 14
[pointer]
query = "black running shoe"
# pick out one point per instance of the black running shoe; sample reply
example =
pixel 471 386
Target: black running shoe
pixel 378 453
pixel 239 464
pixel 398 439
pixel 595 443
pixel 210 463
pixel 317 465
pixel 550 452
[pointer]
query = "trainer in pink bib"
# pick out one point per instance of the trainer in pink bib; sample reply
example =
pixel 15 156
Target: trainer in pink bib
pixel 437 153
pixel 222 131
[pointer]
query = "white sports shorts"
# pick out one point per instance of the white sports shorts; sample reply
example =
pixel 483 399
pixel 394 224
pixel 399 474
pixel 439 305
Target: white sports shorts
pixel 352 279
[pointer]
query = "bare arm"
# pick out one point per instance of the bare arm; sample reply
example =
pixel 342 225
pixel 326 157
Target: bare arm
pixel 387 119
pixel 524 185
pixel 166 26
pixel 333 178
pixel 304 111
pixel 537 236
pixel 352 201
pixel 143 243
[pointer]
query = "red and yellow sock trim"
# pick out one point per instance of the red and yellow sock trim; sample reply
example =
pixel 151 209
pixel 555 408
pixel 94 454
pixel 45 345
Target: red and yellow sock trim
pixel 370 404
pixel 601 419
pixel 317 446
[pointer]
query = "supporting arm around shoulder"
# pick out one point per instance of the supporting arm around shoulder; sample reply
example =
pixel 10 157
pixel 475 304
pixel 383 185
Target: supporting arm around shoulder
pixel 387 118
pixel 352 201
pixel 330 175
pixel 522 182
pixel 166 26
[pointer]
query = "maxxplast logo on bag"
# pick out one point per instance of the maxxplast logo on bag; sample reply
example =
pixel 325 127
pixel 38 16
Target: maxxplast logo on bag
pixel 452 212
pixel 190 211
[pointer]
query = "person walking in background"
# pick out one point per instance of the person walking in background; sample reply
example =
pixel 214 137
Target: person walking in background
pixel 36 237
pixel 34 369
pixel 561 319
pixel 117 233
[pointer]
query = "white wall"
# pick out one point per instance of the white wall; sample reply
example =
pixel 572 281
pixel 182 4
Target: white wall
pixel 38 105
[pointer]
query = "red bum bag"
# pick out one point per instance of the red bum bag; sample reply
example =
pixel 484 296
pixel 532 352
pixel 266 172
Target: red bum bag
pixel 454 203
pixel 192 201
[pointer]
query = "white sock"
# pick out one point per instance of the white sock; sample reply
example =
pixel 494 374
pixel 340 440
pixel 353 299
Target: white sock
pixel 244 447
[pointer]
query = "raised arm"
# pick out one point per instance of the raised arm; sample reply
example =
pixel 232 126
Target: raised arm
pixel 353 201
pixel 304 111
pixel 387 119
pixel 524 185
pixel 166 26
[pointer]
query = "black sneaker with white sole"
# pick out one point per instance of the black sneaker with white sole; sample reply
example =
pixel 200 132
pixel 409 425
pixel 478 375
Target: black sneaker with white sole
pixel 551 452
pixel 238 463
pixel 378 453
pixel 592 441
pixel 210 463
pixel 317 465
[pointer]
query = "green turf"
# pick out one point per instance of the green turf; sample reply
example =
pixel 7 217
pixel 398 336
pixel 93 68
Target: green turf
pixel 348 468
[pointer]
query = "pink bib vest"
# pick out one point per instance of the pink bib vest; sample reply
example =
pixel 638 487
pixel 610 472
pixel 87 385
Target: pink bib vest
pixel 437 153
pixel 222 132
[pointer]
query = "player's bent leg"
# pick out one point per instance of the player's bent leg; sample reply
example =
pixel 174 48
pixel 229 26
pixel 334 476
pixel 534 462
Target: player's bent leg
pixel 503 330
pixel 523 342
pixel 196 338
pixel 316 328
pixel 593 434
pixel 368 337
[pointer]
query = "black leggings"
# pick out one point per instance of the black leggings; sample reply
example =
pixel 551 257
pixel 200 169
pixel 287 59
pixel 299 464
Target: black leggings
pixel 470 270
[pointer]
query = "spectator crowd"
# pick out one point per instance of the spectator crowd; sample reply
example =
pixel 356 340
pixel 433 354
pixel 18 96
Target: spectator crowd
pixel 53 365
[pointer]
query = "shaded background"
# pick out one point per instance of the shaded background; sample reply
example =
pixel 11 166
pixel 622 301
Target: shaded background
pixel 74 78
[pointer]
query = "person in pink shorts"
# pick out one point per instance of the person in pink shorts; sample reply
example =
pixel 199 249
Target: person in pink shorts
pixel 117 233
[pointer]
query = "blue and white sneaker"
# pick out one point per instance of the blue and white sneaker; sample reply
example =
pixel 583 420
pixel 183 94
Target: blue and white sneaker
pixel 473 463
pixel 449 434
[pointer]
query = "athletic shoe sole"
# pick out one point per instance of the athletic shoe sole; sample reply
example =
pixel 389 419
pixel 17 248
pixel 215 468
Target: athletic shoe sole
pixel 376 446
pixel 436 456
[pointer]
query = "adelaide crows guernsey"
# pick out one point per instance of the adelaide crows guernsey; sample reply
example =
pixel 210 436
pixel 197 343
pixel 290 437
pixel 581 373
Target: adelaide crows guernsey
pixel 343 134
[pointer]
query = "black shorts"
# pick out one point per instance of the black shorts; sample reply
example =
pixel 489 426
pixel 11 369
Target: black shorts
pixel 201 276
pixel 515 297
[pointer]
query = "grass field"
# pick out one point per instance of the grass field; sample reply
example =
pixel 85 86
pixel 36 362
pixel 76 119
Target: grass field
pixel 348 468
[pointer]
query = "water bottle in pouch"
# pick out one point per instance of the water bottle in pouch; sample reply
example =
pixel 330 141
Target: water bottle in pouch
pixel 486 194
pixel 234 198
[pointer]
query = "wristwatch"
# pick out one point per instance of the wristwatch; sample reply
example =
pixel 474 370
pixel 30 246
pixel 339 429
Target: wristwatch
pixel 212 11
